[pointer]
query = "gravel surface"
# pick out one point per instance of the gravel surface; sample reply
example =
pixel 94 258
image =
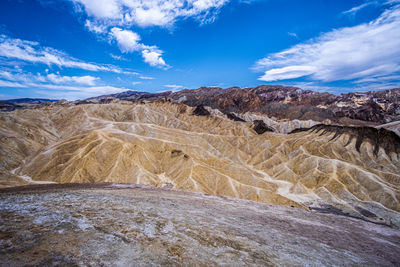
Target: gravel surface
pixel 132 225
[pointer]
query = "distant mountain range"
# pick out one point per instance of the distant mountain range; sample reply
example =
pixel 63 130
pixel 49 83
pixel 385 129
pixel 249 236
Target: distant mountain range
pixel 283 102
pixel 30 100
pixel 12 104
pixel 276 101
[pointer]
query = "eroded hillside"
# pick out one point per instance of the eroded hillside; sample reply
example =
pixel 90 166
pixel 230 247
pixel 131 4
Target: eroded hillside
pixel 163 144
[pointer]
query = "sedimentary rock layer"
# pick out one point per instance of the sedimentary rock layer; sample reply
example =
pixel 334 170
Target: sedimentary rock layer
pixel 163 144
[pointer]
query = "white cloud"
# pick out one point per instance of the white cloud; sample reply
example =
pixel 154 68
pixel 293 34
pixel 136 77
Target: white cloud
pixel 152 56
pixel 116 57
pixel 75 92
pixel 11 84
pixel 28 78
pixel 85 80
pixel 103 9
pixel 121 15
pixel 353 53
pixel 69 92
pixel 95 27
pixel 136 83
pixel 54 85
pixel 32 52
pixel 146 78
pixel 355 9
pixel 380 79
pixel 172 87
pixel 128 41
pixel 95 90
pixel 286 73
pixel 292 34
pixel 146 13
pixel 57 86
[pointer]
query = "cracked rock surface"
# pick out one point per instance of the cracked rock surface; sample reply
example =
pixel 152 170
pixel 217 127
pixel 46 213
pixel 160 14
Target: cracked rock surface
pixel 131 225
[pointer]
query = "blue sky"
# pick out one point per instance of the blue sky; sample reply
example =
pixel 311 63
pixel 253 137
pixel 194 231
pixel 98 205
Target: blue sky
pixel 75 49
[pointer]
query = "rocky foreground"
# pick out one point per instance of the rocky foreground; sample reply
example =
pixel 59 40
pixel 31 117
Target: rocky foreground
pixel 130 225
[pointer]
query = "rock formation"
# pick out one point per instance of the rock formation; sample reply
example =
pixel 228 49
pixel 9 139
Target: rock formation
pixel 260 127
pixel 285 102
pixel 161 143
pixel 128 225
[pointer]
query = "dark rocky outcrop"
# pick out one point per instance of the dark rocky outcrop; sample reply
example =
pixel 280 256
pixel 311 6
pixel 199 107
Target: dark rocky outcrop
pixel 201 111
pixel 233 117
pixel 82 102
pixel 260 127
pixel 379 138
pixel 285 102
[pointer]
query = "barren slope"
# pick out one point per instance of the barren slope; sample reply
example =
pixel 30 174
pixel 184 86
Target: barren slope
pixel 120 225
pixel 163 144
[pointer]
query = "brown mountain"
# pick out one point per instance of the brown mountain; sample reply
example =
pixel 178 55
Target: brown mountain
pixel 283 102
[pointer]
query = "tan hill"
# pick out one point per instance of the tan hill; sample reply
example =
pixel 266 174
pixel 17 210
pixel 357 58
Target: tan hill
pixel 163 144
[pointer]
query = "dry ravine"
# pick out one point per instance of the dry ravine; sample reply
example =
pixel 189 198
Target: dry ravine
pixel 354 171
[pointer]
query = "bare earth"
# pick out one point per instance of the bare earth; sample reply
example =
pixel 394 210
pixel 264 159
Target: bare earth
pixel 132 225
pixel 162 143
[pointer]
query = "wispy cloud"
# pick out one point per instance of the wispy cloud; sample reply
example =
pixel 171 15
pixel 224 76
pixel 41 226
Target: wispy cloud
pixel 146 78
pixel 117 57
pixel 55 78
pixel 353 53
pixel 74 92
pixel 174 87
pixel 11 84
pixel 33 52
pixel 354 10
pixel 57 91
pixel 85 80
pixel 53 85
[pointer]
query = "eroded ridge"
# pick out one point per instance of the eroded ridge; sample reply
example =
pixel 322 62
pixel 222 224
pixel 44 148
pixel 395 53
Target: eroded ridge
pixel 378 137
pixel 163 144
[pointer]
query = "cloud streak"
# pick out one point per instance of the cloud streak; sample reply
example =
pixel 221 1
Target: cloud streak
pixel 33 52
pixel 48 78
pixel 347 54
pixel 356 9
pixel 57 86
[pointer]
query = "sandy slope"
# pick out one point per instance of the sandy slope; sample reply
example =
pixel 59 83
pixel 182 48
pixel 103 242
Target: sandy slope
pixel 162 144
